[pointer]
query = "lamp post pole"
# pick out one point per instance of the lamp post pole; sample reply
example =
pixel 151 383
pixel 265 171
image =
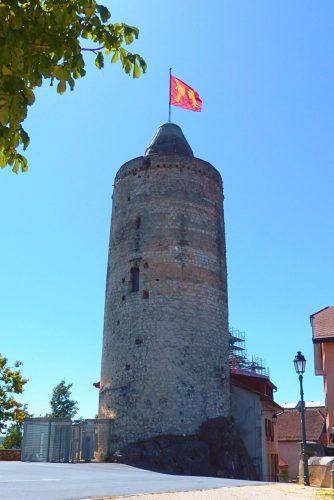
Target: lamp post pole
pixel 300 363
pixel 302 420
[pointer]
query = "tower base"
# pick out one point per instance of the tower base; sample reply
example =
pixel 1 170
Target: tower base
pixel 216 450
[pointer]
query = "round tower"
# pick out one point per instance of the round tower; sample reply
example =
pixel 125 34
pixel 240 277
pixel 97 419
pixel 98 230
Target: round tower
pixel 165 345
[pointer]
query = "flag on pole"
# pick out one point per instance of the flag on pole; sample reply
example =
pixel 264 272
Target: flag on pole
pixel 183 96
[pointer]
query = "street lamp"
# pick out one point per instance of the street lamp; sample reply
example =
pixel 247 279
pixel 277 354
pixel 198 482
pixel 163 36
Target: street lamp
pixel 300 363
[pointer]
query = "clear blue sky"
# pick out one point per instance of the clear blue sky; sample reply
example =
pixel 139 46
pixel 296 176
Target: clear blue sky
pixel 265 73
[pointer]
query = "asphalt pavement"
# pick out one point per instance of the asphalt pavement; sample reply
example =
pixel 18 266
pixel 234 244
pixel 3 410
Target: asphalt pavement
pixel 50 481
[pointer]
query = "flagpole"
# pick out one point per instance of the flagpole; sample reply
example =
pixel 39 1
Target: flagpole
pixel 169 106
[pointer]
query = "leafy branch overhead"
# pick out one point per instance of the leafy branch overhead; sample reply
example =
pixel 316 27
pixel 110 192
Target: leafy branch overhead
pixel 44 39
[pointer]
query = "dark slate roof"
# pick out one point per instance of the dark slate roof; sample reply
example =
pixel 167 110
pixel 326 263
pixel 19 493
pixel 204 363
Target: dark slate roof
pixel 169 139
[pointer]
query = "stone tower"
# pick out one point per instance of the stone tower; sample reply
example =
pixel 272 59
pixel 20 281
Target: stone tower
pixel 165 346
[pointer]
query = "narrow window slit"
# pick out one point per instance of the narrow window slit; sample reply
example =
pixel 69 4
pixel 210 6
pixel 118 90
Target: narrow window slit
pixel 134 272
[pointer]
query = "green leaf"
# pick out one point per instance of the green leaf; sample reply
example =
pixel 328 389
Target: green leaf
pixel 127 66
pixel 136 70
pixel 30 96
pixel 122 53
pixel 61 87
pixel 128 38
pixel 99 61
pixel 15 20
pixel 142 63
pixel 59 72
pixel 3 160
pixel 104 13
pixel 4 114
pixel 114 58
pixel 135 31
pixel 6 71
pixel 24 164
pixel 16 166
pixel 25 138
pixel 89 9
pixel 71 82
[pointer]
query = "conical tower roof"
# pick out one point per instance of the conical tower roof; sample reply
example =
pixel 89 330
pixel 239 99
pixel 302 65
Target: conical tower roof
pixel 169 139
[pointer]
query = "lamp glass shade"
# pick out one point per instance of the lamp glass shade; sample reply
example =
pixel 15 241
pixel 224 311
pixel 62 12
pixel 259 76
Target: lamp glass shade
pixel 299 362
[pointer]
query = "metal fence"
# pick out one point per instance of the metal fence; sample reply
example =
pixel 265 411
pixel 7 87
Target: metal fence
pixel 89 437
pixel 61 440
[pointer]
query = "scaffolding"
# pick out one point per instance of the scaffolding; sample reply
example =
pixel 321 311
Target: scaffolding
pixel 240 362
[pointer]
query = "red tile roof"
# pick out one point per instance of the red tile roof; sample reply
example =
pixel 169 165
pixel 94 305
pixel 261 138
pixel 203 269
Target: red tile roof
pixel 259 384
pixel 252 381
pixel 282 464
pixel 288 424
pixel 323 323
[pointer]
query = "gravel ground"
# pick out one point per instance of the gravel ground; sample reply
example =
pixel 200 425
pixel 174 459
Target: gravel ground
pixel 270 492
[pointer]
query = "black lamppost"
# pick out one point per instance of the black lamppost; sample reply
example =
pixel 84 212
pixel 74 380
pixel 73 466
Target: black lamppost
pixel 300 363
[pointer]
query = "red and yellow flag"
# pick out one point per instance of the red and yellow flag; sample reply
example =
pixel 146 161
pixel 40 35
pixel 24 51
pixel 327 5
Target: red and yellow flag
pixel 184 96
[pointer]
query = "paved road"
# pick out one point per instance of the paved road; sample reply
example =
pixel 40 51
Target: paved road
pixel 46 481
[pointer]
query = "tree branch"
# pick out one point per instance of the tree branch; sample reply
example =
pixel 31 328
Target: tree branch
pixel 42 46
pixel 92 50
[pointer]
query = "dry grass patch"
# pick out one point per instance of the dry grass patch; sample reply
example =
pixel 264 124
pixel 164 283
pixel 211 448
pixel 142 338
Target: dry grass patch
pixel 325 493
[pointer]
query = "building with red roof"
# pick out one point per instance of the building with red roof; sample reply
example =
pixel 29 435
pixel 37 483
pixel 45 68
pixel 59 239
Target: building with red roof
pixel 253 408
pixel 322 323
pixel 289 433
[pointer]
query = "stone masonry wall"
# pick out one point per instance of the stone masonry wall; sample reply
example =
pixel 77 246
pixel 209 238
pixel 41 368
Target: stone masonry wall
pixel 165 346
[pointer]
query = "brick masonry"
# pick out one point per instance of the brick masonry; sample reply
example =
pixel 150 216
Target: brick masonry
pixel 10 455
pixel 165 346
